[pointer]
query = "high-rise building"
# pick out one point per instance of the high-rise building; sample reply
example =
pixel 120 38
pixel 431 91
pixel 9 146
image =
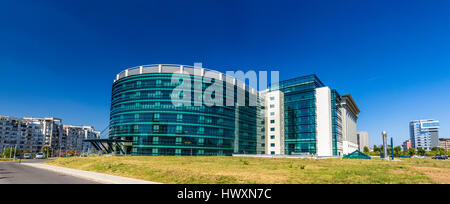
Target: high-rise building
pixel 445 143
pixel 299 115
pixel 363 140
pixel 424 134
pixel 143 112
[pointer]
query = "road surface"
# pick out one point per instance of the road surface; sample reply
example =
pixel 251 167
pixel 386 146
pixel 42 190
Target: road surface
pixel 15 173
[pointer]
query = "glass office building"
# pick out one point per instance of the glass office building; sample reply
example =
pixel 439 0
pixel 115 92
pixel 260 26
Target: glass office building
pixel 143 113
pixel 150 115
pixel 300 118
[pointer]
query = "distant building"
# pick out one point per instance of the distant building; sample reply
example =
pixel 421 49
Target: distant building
pixel 363 140
pixel 424 134
pixel 445 143
pixel 73 137
pixel 406 145
pixel 31 134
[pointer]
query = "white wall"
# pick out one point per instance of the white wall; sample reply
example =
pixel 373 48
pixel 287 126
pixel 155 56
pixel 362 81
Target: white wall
pixel 275 113
pixel 323 120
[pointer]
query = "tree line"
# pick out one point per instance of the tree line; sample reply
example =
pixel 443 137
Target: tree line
pixel 398 151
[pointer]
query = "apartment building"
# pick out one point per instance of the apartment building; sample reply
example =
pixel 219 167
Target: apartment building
pixel 73 137
pixel 20 133
pixel 445 143
pixel 31 134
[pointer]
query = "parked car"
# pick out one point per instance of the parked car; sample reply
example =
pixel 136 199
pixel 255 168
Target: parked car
pixel 440 157
pixel 40 155
pixel 28 156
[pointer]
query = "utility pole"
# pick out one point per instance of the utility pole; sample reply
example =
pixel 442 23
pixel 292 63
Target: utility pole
pixel 15 148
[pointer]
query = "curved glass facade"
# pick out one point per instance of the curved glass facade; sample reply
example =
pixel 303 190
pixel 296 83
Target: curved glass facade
pixel 142 112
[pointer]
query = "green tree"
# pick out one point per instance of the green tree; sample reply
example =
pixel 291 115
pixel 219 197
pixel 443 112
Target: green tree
pixel 411 152
pixel 47 150
pixel 9 152
pixel 397 151
pixel 366 149
pixel 421 151
pixel 436 151
pixel 376 149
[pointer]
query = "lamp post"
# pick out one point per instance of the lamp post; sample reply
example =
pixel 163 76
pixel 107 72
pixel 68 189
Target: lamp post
pixel 15 148
pixel 10 151
pixel 384 135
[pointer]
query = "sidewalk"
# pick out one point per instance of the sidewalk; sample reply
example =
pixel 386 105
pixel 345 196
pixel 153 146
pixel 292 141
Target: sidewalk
pixel 88 175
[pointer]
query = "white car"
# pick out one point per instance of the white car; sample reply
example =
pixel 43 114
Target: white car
pixel 40 155
pixel 28 156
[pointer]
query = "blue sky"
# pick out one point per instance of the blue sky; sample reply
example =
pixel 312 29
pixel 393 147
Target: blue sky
pixel 59 58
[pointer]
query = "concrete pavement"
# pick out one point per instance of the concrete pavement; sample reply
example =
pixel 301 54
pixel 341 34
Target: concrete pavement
pixel 34 172
pixel 89 175
pixel 15 173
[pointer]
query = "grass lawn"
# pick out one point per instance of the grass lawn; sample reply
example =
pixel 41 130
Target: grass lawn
pixel 232 170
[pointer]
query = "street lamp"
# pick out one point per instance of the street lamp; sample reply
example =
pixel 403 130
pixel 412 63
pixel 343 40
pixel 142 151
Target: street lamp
pixel 15 148
pixel 384 135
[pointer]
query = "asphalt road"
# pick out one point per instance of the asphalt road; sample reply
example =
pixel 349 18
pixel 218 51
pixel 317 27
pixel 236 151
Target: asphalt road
pixel 15 173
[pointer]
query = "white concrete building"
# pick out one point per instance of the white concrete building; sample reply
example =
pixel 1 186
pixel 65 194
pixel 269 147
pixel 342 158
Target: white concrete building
pixel 51 128
pixel 349 112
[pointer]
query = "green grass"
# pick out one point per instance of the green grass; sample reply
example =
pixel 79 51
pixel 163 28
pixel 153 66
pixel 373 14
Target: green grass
pixel 231 170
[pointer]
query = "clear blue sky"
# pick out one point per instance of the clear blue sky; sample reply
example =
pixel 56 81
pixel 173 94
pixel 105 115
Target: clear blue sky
pixel 59 58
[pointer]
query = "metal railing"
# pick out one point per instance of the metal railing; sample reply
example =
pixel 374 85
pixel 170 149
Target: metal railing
pixel 172 68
